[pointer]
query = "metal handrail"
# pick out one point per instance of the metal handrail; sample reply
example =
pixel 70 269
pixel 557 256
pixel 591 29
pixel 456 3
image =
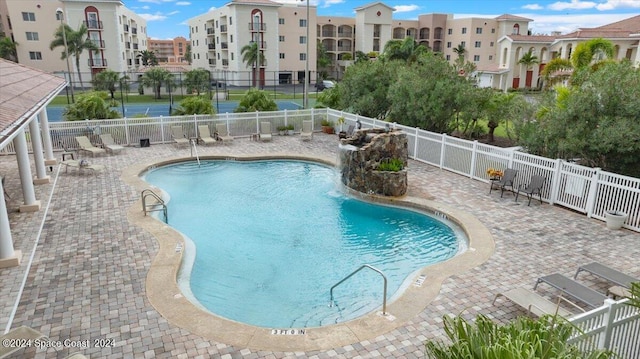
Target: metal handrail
pixel 192 144
pixel 384 290
pixel 146 193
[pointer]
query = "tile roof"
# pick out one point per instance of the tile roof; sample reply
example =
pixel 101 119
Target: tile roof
pixel 620 29
pixel 532 38
pixel 24 91
pixel 512 17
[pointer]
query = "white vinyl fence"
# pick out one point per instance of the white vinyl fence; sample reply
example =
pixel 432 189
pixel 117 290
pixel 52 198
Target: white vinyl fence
pixel 582 189
pixel 614 326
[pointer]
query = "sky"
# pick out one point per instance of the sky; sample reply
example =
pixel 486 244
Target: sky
pixel 167 19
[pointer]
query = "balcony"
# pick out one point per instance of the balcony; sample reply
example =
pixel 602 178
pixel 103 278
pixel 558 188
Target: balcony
pixel 99 43
pixel 376 34
pixel 135 46
pixel 328 33
pixel 212 46
pixel 211 31
pixel 126 28
pixel 93 24
pixel 127 45
pixel 224 45
pixel 257 27
pixel 97 62
pixel 134 30
pixel 212 62
pixel 344 48
pixel 348 34
pixel 261 44
pixel 225 62
pixel 223 28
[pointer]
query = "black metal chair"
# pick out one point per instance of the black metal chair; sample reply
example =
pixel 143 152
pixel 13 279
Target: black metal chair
pixel 534 187
pixel 505 181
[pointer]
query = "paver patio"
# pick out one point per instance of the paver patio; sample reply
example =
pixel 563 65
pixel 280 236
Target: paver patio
pixel 87 278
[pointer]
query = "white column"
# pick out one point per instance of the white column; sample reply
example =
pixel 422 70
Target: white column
pixel 24 168
pixel 49 158
pixel 8 256
pixel 38 158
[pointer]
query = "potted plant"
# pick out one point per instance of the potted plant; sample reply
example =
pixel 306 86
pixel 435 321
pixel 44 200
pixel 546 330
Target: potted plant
pixel 341 120
pixel 327 126
pixel 290 129
pixel 615 219
pixel 282 130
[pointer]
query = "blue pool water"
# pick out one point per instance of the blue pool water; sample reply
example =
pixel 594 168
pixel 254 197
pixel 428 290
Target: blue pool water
pixel 54 113
pixel 272 237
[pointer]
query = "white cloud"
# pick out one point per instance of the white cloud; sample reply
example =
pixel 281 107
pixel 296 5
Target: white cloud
pixel 173 13
pixel 619 4
pixel 532 7
pixel 573 5
pixel 156 1
pixel 212 8
pixel 153 17
pixel 183 3
pixel 146 7
pixel 328 3
pixel 405 8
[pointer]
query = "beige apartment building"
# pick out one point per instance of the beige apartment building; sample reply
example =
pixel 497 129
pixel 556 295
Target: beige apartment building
pixel 169 51
pixel 118 32
pixel 494 45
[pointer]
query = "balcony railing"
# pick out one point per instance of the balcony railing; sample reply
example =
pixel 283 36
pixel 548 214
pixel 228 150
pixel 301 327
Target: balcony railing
pixel 255 26
pixel 344 48
pixel 345 34
pixel 212 62
pixel 127 45
pixel 328 33
pixel 224 45
pixel 135 46
pixel 99 43
pixel 93 24
pixel 376 34
pixel 126 28
pixel 211 31
pixel 97 62
pixel 134 30
pixel 223 28
pixel 225 62
pixel 212 46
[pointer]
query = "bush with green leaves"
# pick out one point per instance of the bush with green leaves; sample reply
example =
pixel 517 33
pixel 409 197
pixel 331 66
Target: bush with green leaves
pixel 392 165
pixel 523 338
pixel 195 105
pixel 256 100
pixel 90 105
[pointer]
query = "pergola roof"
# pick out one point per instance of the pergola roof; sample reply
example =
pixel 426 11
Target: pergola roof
pixel 24 91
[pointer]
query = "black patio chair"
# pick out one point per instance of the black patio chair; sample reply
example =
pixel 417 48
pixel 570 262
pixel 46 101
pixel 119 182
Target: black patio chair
pixel 505 181
pixel 534 187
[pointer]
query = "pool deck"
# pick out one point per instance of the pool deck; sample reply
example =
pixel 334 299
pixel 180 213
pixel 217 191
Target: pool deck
pixel 88 279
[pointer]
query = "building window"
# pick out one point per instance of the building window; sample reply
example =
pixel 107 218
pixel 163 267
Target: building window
pixel 448 44
pixel 448 57
pixel 303 56
pixel 281 38
pixel 282 55
pixel 232 56
pixel 476 57
pixel 490 57
pixel 303 22
pixel 230 38
pixel 491 44
pixel 303 39
pixel 216 24
pixel 463 43
pixel 464 30
pixel 281 21
pixel 32 36
pixel 478 43
pixel 450 32
pixel 28 16
pixel 59 16
pixel 35 55
pixel 478 30
pixel 230 21
pixel 493 31
pixel 516 29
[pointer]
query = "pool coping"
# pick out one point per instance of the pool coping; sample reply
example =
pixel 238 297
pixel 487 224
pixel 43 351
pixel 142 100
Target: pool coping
pixel 165 296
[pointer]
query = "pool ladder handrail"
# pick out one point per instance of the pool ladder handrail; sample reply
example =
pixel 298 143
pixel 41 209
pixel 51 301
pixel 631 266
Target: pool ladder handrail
pixel 154 206
pixel 384 290
pixel 194 148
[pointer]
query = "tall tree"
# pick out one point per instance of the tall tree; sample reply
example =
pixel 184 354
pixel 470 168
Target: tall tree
pixel 188 55
pixel 323 61
pixel 556 71
pixel 155 77
pixel 461 52
pixel 407 50
pixel 148 58
pixel 91 105
pixel 106 81
pixel 77 42
pixel 252 56
pixel 197 80
pixel 8 49
pixel 528 60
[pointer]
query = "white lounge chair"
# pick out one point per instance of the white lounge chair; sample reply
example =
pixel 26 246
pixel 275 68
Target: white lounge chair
pixel 306 133
pixel 81 166
pixel 205 135
pixel 178 135
pixel 223 134
pixel 533 302
pixel 265 131
pixel 86 145
pixel 109 144
pixel 20 335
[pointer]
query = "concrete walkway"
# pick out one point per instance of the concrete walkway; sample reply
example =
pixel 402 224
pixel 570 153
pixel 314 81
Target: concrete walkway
pixel 87 281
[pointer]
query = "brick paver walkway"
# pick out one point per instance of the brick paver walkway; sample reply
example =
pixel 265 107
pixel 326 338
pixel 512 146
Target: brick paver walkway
pixel 87 279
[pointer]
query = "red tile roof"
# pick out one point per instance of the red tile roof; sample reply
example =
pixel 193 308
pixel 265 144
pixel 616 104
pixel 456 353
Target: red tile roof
pixel 620 29
pixel 532 38
pixel 24 91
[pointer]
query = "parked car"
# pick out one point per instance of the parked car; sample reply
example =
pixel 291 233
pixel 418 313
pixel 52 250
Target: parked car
pixel 325 84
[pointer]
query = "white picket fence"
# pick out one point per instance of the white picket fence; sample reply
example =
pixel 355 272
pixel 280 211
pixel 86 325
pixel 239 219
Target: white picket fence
pixel 582 189
pixel 615 326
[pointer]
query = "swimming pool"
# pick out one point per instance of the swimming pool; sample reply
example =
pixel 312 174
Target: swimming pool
pixel 273 236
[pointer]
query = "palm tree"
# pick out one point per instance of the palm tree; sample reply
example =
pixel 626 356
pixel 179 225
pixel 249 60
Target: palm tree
pixel 8 49
pixel 252 56
pixel 148 58
pixel 77 42
pixel 528 60
pixel 408 50
pixel 461 52
pixel 594 50
pixel 155 77
pixel 556 70
pixel 106 81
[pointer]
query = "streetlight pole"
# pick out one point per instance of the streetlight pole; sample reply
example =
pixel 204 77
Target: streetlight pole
pixel 306 65
pixel 66 49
